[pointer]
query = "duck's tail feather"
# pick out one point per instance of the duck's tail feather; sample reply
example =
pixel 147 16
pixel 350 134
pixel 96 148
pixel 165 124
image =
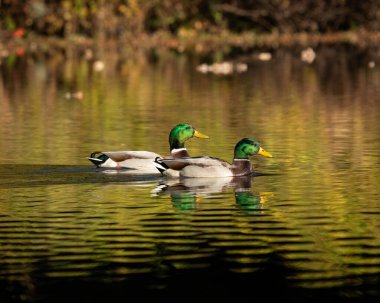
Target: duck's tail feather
pixel 98 158
pixel 96 161
pixel 161 166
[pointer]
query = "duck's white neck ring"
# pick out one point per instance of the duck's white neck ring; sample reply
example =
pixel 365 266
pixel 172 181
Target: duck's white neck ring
pixel 177 150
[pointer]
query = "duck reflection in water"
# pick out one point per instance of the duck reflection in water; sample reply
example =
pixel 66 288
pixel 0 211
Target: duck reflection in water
pixel 187 193
pixel 249 202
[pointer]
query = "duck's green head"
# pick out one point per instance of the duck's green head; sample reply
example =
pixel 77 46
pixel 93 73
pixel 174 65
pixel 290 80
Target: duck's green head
pixel 248 147
pixel 182 132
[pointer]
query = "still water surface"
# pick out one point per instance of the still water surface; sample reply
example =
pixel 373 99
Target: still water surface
pixel 307 228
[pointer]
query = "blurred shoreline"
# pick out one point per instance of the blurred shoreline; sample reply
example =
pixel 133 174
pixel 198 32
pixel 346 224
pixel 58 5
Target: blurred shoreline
pixel 200 43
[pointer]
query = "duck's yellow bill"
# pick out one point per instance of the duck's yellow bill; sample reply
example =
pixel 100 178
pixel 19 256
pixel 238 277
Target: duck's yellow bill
pixel 264 153
pixel 197 134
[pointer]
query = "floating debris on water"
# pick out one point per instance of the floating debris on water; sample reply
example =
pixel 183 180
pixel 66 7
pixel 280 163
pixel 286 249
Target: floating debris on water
pixel 224 68
pixel 264 56
pixel 308 55
pixel 74 95
pixel 98 65
pixel 241 67
pixel 371 64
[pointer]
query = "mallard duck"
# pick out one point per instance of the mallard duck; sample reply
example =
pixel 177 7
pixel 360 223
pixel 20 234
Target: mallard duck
pixel 214 167
pixel 143 161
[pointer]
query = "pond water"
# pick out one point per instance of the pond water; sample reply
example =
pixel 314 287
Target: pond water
pixel 307 227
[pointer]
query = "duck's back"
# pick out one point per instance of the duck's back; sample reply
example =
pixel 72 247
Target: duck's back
pixel 203 167
pixel 119 156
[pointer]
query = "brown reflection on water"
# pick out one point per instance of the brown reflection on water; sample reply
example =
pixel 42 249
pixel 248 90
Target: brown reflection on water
pixel 296 110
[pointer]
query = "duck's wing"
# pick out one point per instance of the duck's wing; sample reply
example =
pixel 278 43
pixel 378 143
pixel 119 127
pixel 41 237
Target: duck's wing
pixel 119 156
pixel 180 163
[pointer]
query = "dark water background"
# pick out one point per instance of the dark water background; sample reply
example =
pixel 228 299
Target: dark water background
pixel 308 229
